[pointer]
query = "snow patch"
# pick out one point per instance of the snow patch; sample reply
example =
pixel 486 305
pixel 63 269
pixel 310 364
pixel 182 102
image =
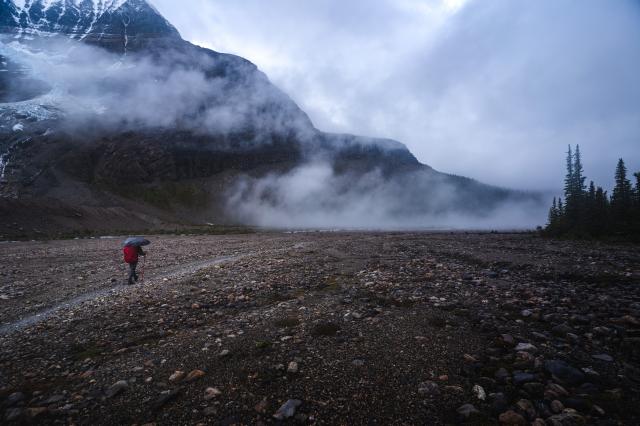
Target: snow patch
pixel 18 128
pixel 98 5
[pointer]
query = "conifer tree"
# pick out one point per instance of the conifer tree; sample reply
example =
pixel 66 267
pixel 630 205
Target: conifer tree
pixel 600 212
pixel 568 179
pixel 569 186
pixel 553 215
pixel 590 209
pixel 637 189
pixel 578 178
pixel 622 198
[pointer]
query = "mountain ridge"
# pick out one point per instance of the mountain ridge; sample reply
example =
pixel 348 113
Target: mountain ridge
pixel 194 135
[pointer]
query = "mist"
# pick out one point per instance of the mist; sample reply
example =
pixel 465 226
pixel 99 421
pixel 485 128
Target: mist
pixel 90 92
pixel 90 87
pixel 314 196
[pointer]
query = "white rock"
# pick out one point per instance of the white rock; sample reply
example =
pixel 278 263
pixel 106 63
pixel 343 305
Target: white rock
pixel 479 392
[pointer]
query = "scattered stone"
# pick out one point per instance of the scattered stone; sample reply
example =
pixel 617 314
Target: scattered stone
pixel 36 412
pixel 293 368
pixel 211 393
pixel 562 330
pixel 512 418
pixel 564 373
pixel 288 409
pixel 262 406
pixel 117 388
pixel 507 340
pixel 13 414
pixel 469 358
pixel 14 399
pixel 525 347
pixel 502 375
pixel 525 406
pixel 194 375
pixel 54 399
pixel 428 388
pixel 210 412
pixel 534 389
pixel 603 357
pixel 567 418
pixel 557 406
pixel 520 378
pixel 479 392
pixel 468 411
pixel 165 398
pixel 177 376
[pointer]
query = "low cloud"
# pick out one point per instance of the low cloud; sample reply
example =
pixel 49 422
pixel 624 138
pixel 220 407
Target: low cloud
pixel 92 88
pixel 315 196
pixel 493 89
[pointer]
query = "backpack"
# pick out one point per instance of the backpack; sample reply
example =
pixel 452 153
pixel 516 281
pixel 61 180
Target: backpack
pixel 130 254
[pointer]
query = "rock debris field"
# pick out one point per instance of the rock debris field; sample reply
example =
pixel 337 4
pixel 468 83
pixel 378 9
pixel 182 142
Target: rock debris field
pixel 322 328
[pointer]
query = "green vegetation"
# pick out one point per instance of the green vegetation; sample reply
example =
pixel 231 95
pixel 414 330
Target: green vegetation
pixel 590 212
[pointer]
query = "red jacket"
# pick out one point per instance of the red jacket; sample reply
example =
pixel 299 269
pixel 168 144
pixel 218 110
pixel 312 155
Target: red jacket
pixel 131 254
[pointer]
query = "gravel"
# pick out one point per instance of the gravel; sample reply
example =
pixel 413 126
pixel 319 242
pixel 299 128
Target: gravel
pixel 322 328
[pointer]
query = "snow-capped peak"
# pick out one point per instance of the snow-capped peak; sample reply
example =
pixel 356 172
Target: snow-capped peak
pixel 115 24
pixel 99 6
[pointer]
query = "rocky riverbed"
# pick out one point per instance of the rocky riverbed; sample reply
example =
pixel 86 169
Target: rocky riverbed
pixel 322 328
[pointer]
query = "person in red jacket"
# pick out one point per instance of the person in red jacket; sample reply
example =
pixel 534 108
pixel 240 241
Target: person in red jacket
pixel 131 254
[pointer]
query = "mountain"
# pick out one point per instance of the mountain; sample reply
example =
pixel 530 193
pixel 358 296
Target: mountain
pixel 110 120
pixel 118 25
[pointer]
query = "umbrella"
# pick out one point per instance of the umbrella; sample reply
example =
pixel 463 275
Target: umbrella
pixel 136 242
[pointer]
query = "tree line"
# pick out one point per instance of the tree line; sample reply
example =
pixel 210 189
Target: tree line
pixel 589 212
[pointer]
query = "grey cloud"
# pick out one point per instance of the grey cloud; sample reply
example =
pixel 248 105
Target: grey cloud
pixel 495 91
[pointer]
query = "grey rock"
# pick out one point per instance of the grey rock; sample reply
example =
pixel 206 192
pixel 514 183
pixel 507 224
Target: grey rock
pixel 288 409
pixel 15 398
pixel 603 357
pixel 562 330
pixel 54 399
pixel 165 398
pixel 117 388
pixel 534 389
pixel 564 372
pixel 467 411
pixel 566 419
pixel 210 412
pixel 428 388
pixel 520 378
pixel 502 375
pixel 13 414
pixel 526 347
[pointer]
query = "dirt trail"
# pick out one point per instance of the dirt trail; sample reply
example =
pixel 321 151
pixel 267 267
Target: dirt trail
pixel 117 290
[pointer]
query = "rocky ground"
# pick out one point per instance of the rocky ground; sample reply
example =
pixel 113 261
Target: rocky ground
pixel 322 328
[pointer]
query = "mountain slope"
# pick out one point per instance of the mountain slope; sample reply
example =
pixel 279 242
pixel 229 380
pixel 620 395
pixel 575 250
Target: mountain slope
pixel 103 107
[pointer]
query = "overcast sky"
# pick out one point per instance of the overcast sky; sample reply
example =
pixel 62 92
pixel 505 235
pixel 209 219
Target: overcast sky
pixel 491 89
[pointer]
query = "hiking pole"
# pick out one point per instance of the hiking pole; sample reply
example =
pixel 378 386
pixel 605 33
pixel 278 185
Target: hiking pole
pixel 144 260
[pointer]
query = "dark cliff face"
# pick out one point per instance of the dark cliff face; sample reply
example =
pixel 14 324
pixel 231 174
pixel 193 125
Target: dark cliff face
pixel 117 25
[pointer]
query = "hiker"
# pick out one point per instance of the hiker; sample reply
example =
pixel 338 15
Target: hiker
pixel 131 254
